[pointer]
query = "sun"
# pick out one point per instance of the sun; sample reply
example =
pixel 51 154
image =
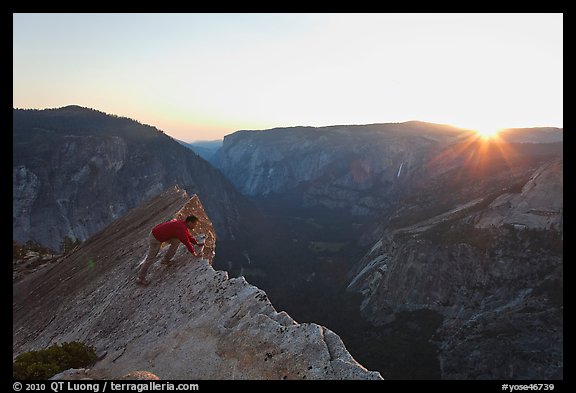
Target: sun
pixel 487 133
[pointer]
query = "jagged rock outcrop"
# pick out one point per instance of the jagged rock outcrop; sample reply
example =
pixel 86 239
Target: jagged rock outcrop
pixel 75 170
pixel 191 322
pixel 491 269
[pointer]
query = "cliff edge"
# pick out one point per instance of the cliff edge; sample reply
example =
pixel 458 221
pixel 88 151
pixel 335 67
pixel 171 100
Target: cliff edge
pixel 191 322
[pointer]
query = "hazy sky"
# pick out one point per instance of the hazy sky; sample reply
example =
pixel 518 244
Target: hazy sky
pixel 202 76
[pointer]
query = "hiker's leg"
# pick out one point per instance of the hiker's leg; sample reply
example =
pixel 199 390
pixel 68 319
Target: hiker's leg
pixel 174 243
pixel 153 248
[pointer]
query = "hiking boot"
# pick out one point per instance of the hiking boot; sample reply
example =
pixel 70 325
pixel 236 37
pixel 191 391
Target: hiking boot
pixel 142 281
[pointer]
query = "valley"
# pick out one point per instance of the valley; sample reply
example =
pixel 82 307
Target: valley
pixel 302 260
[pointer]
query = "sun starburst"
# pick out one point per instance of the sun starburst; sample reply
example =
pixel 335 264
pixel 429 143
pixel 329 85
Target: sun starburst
pixel 487 133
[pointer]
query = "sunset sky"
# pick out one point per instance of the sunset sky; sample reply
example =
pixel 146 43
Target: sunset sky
pixel 202 76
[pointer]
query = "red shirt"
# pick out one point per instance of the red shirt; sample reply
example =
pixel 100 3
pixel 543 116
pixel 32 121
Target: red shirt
pixel 174 229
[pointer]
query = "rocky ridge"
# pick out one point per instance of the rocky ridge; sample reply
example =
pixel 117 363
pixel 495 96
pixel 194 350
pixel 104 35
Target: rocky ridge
pixel 191 322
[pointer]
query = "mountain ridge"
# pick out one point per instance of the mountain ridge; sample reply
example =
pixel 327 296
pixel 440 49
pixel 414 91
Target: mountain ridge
pixel 76 169
pixel 363 169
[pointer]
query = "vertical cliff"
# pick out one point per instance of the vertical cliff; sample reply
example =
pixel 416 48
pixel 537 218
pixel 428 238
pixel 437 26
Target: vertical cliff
pixel 360 169
pixel 490 270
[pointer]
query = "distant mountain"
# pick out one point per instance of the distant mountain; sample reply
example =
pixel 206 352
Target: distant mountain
pixel 363 169
pixel 76 169
pixel 360 169
pixel 205 149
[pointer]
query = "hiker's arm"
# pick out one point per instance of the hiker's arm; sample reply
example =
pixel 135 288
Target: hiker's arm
pixel 186 240
pixel 190 237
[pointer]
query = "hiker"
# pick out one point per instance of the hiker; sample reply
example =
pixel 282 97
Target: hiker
pixel 173 232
